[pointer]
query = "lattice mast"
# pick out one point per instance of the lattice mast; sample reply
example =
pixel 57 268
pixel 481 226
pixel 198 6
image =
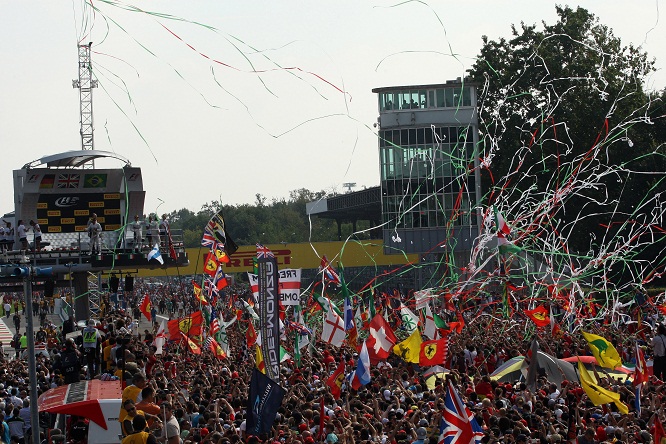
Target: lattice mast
pixel 85 84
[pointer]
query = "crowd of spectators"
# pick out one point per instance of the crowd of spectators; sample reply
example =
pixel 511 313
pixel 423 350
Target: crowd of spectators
pixel 178 396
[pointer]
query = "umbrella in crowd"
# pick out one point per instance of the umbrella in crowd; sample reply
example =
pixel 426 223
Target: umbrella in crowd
pixel 556 370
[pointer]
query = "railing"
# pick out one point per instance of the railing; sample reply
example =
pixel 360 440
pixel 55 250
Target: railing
pixel 63 248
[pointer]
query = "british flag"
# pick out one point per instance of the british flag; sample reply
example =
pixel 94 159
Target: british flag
pixel 263 252
pixel 300 328
pixel 208 240
pixel 458 425
pixel 68 180
pixel 211 292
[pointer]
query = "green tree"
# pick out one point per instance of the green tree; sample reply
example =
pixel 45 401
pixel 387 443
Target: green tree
pixel 280 220
pixel 562 101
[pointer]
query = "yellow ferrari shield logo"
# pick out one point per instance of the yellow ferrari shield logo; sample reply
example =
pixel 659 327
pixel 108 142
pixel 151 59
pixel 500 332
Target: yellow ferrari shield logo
pixel 185 325
pixel 430 351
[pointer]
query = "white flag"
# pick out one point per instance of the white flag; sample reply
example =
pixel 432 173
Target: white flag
pixel 430 329
pixel 409 320
pixel 160 337
pixel 250 310
pixel 333 329
pixel 224 338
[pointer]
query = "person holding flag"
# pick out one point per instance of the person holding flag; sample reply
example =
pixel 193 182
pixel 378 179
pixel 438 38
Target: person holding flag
pixel 659 353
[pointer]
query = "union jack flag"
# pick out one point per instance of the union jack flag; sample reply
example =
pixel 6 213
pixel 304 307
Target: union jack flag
pixel 211 290
pixel 300 328
pixel 68 180
pixel 208 240
pixel 263 252
pixel 458 425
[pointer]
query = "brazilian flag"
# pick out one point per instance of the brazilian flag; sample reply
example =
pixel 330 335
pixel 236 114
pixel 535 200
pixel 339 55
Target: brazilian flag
pixel 94 181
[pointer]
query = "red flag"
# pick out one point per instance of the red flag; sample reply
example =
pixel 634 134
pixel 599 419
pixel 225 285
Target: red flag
pixel 659 432
pixel 197 293
pixel 221 283
pixel 336 379
pixel 250 335
pixel 322 419
pixel 222 256
pixel 461 322
pixel 453 326
pixel 194 348
pixel 539 316
pixel 145 307
pixel 433 352
pixel 381 339
pixel 641 376
pixel 210 267
pixel 555 329
pixel 213 346
pixel 330 275
pixel 190 326
pixel 352 337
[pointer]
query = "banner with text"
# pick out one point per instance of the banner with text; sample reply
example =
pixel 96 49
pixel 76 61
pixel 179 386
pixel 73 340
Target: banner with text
pixel 290 286
pixel 269 315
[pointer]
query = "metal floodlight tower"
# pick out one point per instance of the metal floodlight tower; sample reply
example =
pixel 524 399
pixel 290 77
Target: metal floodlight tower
pixel 85 84
pixel 349 186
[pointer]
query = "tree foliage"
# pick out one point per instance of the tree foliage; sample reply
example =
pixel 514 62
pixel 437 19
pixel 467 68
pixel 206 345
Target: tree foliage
pixel 277 221
pixel 559 98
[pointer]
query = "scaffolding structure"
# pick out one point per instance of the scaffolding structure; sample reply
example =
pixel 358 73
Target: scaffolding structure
pixel 85 84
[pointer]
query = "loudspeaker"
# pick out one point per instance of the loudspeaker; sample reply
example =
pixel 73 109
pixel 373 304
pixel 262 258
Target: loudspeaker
pixel 129 283
pixel 49 285
pixel 113 284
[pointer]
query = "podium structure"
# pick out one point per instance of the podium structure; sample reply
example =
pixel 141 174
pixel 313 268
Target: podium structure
pixel 61 192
